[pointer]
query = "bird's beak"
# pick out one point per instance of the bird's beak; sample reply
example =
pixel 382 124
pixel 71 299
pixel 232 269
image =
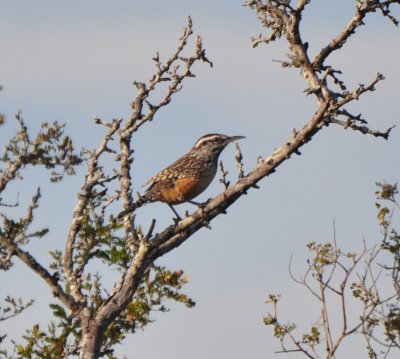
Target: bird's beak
pixel 234 138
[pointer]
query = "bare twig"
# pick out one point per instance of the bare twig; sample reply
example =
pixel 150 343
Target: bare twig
pixel 224 174
pixel 239 161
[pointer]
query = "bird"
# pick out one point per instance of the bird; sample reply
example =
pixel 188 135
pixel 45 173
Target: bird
pixel 190 175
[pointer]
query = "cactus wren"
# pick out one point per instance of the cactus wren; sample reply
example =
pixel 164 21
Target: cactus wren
pixel 190 175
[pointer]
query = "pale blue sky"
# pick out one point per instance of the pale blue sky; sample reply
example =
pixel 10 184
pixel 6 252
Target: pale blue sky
pixel 68 61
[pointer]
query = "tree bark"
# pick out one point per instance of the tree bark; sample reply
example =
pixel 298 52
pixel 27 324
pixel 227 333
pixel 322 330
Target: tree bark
pixel 92 332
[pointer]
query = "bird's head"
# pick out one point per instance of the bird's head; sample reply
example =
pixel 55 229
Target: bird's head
pixel 214 142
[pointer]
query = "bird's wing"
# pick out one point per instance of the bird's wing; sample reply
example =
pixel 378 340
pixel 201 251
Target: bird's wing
pixel 170 172
pixel 157 177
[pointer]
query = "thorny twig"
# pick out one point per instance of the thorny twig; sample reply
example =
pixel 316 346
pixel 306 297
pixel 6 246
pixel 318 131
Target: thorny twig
pixel 329 263
pixel 94 202
pixel 283 20
pixel 224 174
pixel 239 161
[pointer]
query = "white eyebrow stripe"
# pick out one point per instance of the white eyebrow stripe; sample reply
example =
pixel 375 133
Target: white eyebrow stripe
pixel 204 139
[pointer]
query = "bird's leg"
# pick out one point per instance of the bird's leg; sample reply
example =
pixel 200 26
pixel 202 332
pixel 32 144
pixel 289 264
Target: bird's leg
pixel 178 218
pixel 201 205
pixel 207 202
pixel 196 203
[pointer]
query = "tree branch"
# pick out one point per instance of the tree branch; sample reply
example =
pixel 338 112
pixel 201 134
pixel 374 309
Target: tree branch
pixel 174 235
pixel 33 264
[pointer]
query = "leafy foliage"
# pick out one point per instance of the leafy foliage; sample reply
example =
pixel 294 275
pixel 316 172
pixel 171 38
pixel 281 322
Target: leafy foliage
pixel 390 317
pixel 91 319
pixel 64 333
pixel 334 274
pixel 50 148
pixel 12 308
pixel 97 240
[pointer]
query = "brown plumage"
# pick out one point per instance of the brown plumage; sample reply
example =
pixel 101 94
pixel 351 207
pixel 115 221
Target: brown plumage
pixel 190 175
